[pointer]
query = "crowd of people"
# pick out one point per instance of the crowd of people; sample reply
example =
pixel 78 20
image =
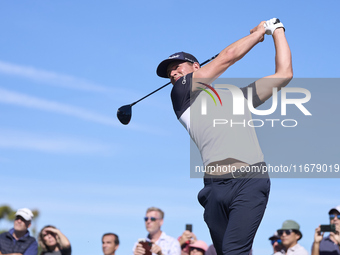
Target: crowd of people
pixel 18 241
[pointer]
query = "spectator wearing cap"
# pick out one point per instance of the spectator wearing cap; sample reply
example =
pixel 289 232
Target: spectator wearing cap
pixel 198 248
pixel 328 245
pixel 18 240
pixel 290 234
pixel 185 239
pixel 276 243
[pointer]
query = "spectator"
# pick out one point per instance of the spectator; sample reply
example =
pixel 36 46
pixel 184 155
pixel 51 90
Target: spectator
pixel 290 235
pixel 198 248
pixel 185 239
pixel 330 244
pixel 162 244
pixel 18 240
pixel 276 242
pixel 110 243
pixel 53 242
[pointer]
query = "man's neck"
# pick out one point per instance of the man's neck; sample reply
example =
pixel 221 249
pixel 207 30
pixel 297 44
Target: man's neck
pixel 19 234
pixel 291 246
pixel 155 236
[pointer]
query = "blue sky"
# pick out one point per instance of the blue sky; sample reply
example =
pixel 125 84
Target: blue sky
pixel 65 69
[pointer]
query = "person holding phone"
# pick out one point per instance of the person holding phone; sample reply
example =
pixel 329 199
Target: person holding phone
pixel 328 245
pixel 187 238
pixel 157 242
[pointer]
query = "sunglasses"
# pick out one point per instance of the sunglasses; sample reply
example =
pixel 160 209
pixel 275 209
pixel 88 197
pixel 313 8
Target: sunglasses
pixel 287 231
pixel 332 216
pixel 151 218
pixel 274 241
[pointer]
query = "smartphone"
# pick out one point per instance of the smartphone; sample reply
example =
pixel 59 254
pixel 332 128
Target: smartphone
pixel 146 245
pixel 188 227
pixel 328 228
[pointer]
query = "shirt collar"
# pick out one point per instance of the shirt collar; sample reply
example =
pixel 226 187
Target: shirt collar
pixel 11 231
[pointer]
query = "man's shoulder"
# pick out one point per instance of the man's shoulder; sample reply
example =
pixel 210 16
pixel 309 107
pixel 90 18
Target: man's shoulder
pixel 164 236
pixel 4 234
pixel 300 250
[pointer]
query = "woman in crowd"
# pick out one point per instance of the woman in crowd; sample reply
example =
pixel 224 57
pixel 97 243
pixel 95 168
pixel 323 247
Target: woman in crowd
pixel 198 248
pixel 53 242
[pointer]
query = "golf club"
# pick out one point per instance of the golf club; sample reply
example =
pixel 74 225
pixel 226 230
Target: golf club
pixel 124 113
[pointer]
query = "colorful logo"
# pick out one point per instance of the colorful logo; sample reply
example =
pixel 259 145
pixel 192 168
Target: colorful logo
pixel 213 90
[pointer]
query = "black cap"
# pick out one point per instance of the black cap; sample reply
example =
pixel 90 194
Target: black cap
pixel 163 66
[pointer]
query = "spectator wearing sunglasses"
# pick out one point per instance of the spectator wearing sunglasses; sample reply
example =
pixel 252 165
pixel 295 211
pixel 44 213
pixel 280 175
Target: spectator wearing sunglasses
pixel 290 234
pixel 276 243
pixel 18 239
pixel 162 244
pixel 328 245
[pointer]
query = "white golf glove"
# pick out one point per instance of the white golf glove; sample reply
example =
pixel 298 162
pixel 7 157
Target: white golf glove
pixel 271 25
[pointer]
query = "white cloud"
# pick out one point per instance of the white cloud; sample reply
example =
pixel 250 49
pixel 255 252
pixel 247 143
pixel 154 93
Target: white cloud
pixel 15 98
pixel 23 140
pixel 52 78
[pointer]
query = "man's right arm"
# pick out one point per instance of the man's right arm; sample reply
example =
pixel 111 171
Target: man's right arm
pixel 230 55
pixel 317 239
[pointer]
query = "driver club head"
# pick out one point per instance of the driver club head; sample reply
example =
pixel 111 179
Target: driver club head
pixel 124 114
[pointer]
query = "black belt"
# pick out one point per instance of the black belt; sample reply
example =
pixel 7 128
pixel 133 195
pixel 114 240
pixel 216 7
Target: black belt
pixel 234 174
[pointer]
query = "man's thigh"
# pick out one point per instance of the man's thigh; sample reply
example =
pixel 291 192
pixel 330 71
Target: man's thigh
pixel 245 214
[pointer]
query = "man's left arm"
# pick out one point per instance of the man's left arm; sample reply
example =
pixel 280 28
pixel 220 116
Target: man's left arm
pixel 283 67
pixel 32 249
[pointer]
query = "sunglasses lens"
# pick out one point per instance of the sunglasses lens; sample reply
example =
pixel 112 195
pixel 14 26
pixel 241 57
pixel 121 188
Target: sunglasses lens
pixel 151 218
pixel 276 241
pixel 332 216
pixel 280 232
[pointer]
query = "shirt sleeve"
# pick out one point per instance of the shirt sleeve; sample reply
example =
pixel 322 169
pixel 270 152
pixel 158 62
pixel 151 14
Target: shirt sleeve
pixel 256 100
pixel 32 249
pixel 66 251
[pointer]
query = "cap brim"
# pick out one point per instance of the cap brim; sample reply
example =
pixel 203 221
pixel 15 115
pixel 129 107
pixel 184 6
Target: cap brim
pixel 162 69
pixel 333 209
pixel 26 217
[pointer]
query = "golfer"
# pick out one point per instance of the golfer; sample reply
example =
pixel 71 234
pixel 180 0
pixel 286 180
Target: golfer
pixel 234 202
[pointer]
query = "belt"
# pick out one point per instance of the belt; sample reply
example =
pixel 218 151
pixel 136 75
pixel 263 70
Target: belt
pixel 235 174
pixel 232 175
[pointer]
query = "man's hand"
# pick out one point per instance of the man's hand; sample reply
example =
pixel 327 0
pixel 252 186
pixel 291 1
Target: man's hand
pixel 156 249
pixel 187 236
pixel 260 29
pixel 271 25
pixel 336 236
pixel 317 235
pixel 139 250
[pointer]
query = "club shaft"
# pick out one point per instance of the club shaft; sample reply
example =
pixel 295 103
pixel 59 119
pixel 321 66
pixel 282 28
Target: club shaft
pixel 150 94
pixel 170 82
